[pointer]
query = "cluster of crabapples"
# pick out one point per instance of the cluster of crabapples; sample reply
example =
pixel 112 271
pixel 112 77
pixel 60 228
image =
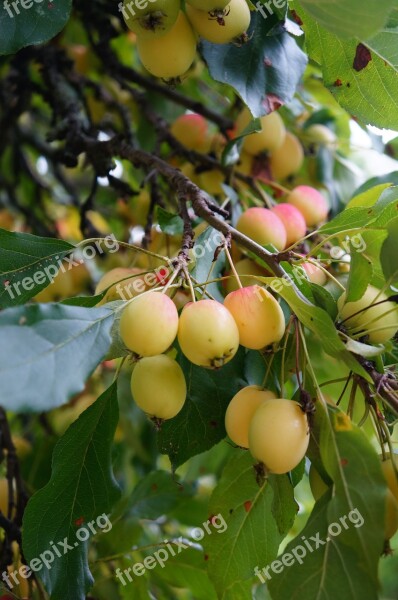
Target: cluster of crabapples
pixel 208 332
pixel 167 36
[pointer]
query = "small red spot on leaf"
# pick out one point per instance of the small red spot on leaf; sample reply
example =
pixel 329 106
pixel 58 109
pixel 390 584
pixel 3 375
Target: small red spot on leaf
pixel 79 521
pixel 296 18
pixel 213 423
pixel 7 282
pixel 154 487
pixel 362 57
pixel 247 505
pixel 344 462
pixel 206 557
pixel 338 83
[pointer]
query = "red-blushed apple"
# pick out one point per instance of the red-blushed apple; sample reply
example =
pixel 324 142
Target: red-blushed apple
pixel 259 317
pixel 310 202
pixel 192 131
pixel 263 226
pixel 293 221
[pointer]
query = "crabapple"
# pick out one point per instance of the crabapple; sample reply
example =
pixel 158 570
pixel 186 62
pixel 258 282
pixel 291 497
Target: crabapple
pixel 378 321
pixel 390 474
pixel 279 435
pixel 223 27
pixel 391 516
pixel 192 131
pixel 263 226
pixel 311 203
pixel 151 20
pixel 123 282
pixel 208 5
pixel 158 386
pixel 211 182
pixel 269 139
pixel 240 412
pixel 60 287
pixel 246 266
pixel 317 484
pixel 293 221
pixel 149 324
pixel 288 158
pixel 314 273
pixel 208 334
pixel 171 55
pixel 4 497
pixel 320 134
pixel 259 317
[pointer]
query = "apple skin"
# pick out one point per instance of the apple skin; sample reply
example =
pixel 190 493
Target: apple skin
pixel 208 5
pixel 246 266
pixel 279 435
pixel 293 221
pixel 208 334
pixel 288 158
pixel 370 317
pixel 152 20
pixel 236 22
pixel 240 412
pixel 320 134
pixel 269 139
pixel 263 226
pixel 259 317
pixel 314 273
pixel 172 54
pixel 192 131
pixel 311 203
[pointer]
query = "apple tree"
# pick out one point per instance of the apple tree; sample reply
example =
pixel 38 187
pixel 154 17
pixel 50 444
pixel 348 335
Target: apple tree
pixel 198 299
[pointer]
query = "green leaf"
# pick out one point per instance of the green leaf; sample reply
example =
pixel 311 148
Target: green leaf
pixel 31 22
pixel 47 352
pixel 168 222
pixel 345 566
pixel 156 494
pixel 318 321
pixel 200 424
pixel 252 535
pixel 81 488
pixel 204 251
pixel 389 253
pixel 28 263
pixel 360 276
pixel 349 19
pixel 362 80
pixel 264 72
pixel 187 570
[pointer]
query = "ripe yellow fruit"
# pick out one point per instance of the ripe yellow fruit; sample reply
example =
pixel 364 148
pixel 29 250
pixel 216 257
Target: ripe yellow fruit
pixel 293 221
pixel 149 324
pixel 288 158
pixel 269 139
pixel 312 205
pixel 126 284
pixel 391 516
pixel 259 317
pixel 378 321
pixel 207 334
pixel 158 386
pixel 244 267
pixel 240 412
pixel 151 19
pixel 317 485
pixel 60 288
pixel 279 435
pixel 320 134
pixel 211 182
pixel 171 55
pixel 263 226
pixel 208 5
pixel 4 498
pixel 390 474
pixel 233 21
pixel 314 273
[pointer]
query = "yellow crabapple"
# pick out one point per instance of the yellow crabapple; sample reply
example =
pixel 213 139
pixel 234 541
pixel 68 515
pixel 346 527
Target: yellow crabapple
pixel 288 158
pixel 151 19
pixel 293 221
pixel 310 202
pixel 269 139
pixel 240 412
pixel 232 22
pixel 263 226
